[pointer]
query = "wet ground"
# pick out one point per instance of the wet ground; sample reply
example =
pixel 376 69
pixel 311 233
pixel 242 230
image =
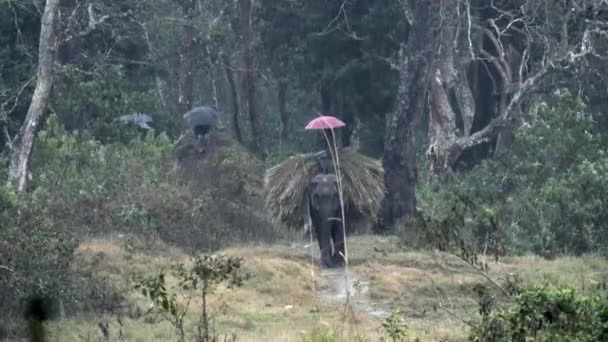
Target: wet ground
pixel 342 285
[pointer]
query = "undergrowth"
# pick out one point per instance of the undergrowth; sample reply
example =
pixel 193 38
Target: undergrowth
pixel 547 194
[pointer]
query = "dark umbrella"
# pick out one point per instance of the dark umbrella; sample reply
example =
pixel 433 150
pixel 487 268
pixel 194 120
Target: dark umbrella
pixel 201 120
pixel 141 120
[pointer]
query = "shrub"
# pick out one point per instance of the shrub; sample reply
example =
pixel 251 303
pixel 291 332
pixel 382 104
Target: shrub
pixel 548 195
pixel 91 101
pixel 83 188
pixel 395 327
pixel 38 256
pixel 131 188
pixel 547 313
pixel 198 281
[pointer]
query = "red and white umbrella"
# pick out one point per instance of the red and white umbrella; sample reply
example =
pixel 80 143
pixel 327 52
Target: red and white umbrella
pixel 325 122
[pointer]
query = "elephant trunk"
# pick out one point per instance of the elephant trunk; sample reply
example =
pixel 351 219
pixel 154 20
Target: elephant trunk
pixel 324 235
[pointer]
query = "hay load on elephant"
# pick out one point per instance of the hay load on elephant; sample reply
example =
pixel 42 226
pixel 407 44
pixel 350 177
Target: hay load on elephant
pixel 286 185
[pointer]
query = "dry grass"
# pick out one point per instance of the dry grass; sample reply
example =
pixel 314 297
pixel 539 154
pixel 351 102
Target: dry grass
pixel 276 303
pixel 285 189
pixel 286 184
pixel 425 284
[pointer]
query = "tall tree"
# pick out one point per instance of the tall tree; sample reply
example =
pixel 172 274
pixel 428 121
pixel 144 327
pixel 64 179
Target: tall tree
pixel 22 146
pixel 282 101
pixel 249 77
pixel 400 144
pixel 234 98
pixel 340 52
pixel 186 55
pixel 515 48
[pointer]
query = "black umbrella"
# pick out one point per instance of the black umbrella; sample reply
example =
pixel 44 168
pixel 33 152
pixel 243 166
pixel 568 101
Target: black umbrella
pixel 201 116
pixel 201 120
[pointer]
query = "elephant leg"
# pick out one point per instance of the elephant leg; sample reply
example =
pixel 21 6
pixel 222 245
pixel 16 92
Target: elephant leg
pixel 337 234
pixel 323 232
pixel 201 137
pixel 200 143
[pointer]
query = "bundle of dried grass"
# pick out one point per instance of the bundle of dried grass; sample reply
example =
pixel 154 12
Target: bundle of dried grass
pixel 286 185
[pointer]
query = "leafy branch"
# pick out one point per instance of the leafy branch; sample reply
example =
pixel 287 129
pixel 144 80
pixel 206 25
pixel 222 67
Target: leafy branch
pixel 207 272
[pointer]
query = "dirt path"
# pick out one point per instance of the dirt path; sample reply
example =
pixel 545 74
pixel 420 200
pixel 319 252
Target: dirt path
pixel 332 287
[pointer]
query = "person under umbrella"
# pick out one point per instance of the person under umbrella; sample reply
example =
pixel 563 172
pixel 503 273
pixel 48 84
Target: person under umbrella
pixel 142 121
pixel 325 124
pixel 201 119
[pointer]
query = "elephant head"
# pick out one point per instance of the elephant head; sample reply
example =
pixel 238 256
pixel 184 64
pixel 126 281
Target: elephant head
pixel 326 219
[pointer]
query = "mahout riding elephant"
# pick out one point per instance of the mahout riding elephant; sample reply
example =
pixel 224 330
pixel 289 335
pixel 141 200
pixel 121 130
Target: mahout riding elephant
pixel 325 214
pixel 201 119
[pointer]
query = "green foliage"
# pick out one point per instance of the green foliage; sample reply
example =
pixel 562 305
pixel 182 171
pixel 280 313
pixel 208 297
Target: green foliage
pixel 547 313
pixel 19 31
pixel 37 255
pixel 153 287
pixel 78 180
pixel 316 47
pixel 130 188
pixel 208 271
pixel 394 327
pixel 200 279
pixel 548 195
pixel 93 101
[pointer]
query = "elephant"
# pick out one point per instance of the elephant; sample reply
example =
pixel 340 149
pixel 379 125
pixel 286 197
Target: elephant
pixel 324 206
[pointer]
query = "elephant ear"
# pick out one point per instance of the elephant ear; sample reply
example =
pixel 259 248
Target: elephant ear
pixel 310 193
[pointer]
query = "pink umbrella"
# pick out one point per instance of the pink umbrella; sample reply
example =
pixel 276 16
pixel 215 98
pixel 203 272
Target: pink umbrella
pixel 325 122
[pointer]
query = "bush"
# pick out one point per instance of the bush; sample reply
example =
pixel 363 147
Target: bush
pixel 547 313
pixel 198 281
pixel 83 188
pixel 548 195
pixel 394 327
pixel 131 188
pixel 92 101
pixel 36 257
pixel 88 187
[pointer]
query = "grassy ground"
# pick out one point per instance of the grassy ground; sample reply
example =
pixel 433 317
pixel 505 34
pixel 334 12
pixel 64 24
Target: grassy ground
pixel 282 301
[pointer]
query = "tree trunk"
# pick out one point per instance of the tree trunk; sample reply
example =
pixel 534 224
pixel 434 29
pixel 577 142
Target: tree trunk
pixel 442 131
pixel 442 119
pixel 249 78
pixel 166 93
pixel 466 101
pixel 400 143
pixel 282 99
pixel 508 64
pixel 327 99
pixel 22 147
pixel 233 97
pixel 163 95
pixel 186 56
pixel 211 71
pixel 347 113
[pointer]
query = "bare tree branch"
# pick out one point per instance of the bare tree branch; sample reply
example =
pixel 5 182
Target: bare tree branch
pixel 92 25
pixel 522 46
pixel 6 268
